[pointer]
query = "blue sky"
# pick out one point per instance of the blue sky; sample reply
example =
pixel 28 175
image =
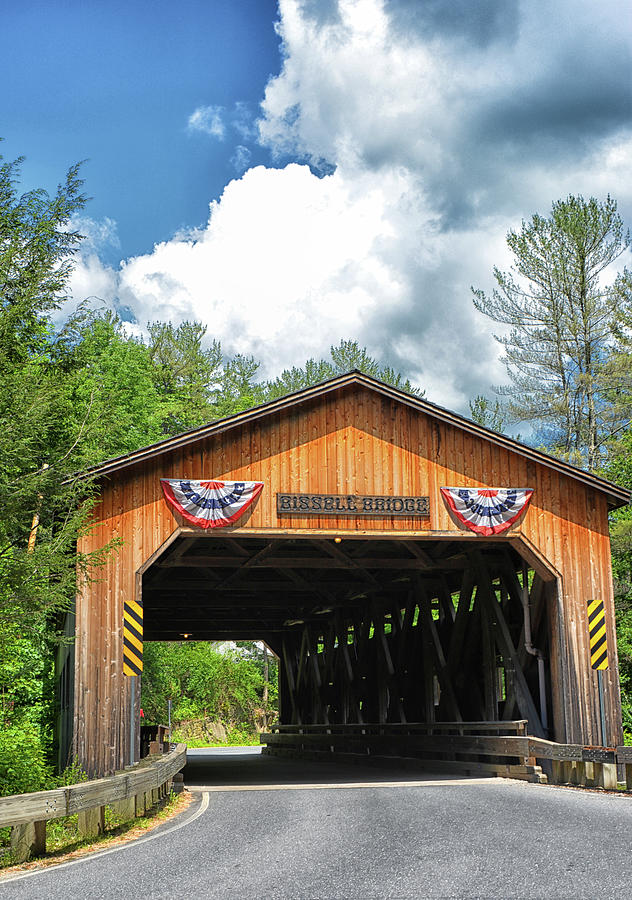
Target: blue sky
pixel 114 83
pixel 293 174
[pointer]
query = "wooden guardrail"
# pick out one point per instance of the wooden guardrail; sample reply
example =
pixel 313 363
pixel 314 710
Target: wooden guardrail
pixel 501 748
pixel 131 792
pixel 511 726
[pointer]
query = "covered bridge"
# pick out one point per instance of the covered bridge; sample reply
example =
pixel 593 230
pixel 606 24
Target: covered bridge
pixel 385 598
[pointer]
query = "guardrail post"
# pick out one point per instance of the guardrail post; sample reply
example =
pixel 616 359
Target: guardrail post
pixel 178 783
pixel 91 821
pixel 624 759
pixel 125 809
pixel 28 840
pixel 607 776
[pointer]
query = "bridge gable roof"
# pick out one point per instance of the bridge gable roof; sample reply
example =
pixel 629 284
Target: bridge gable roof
pixel 356 380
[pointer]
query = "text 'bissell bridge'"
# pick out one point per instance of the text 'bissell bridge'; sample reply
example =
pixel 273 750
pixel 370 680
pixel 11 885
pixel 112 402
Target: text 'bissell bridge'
pixel 410 569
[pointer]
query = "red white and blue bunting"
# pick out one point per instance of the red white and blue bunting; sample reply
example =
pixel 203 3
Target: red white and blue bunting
pixel 210 504
pixel 487 510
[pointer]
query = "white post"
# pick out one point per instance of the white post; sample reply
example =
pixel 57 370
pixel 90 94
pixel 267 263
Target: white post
pixel 132 722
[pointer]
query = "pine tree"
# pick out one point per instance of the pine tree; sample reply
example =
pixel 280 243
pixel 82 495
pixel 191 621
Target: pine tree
pixel 560 310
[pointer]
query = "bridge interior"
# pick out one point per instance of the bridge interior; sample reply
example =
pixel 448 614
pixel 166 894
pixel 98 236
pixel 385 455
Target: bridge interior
pixel 368 630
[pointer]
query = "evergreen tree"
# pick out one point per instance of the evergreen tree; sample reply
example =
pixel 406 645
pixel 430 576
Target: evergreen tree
pixel 42 507
pixel 560 310
pixel 344 357
pixel 484 413
pixel 186 374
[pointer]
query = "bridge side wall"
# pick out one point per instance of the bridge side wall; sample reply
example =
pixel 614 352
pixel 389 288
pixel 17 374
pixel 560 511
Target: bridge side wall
pixel 351 441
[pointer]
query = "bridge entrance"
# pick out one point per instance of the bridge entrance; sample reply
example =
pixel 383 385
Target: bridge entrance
pixel 370 630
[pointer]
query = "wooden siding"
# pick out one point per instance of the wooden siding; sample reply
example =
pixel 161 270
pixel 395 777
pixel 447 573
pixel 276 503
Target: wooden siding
pixel 358 441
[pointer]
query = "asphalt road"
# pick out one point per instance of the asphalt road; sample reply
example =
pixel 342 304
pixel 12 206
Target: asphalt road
pixel 262 827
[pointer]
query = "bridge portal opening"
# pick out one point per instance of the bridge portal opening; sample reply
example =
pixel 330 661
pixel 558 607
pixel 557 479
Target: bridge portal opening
pixel 379 630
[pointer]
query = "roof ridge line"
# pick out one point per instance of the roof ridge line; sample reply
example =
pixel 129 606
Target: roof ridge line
pixel 339 381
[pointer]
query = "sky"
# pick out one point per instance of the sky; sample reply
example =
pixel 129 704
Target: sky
pixel 297 173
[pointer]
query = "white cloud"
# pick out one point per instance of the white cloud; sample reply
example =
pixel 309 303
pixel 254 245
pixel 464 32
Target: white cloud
pixel 442 138
pixel 96 235
pixel 243 121
pixel 240 160
pixel 288 263
pixel 208 120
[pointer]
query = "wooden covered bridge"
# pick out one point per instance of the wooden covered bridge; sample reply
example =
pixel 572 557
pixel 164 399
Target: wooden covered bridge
pixel 384 597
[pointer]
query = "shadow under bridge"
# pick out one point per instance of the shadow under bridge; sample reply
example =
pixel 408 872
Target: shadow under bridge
pixel 370 631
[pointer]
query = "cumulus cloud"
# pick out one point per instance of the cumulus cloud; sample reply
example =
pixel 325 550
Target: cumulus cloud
pixel 466 95
pixel 425 132
pixel 208 120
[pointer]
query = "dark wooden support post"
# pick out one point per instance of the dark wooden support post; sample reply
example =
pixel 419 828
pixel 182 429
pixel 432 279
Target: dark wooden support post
pixel 461 620
pixel 505 645
pixel 348 672
pixel 446 606
pixel 288 668
pixel 489 664
pixel 428 668
pixel 433 644
pixel 384 664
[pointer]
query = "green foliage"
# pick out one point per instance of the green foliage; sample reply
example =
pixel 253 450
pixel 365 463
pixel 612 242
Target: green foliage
pixel 486 414
pixel 238 391
pixel 624 646
pixel 40 447
pixel 344 357
pixel 110 387
pixel 618 468
pixel 36 247
pixel 185 374
pixel 23 765
pixel 205 681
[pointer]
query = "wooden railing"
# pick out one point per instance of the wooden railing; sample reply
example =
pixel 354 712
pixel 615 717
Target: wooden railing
pixel 499 748
pixel 131 792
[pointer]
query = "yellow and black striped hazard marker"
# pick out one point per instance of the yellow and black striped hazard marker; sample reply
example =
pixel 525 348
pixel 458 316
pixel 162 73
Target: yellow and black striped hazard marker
pixel 132 638
pixel 597 633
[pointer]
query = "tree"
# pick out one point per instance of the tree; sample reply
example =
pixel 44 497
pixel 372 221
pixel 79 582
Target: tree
pixel 209 681
pixel 561 309
pixel 186 374
pixel 484 413
pixel 40 448
pixel 36 247
pixel 237 390
pixel 344 357
pixel 112 375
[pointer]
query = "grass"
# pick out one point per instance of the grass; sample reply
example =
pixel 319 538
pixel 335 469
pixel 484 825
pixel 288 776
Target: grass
pixel 198 744
pixel 64 842
pixel 235 737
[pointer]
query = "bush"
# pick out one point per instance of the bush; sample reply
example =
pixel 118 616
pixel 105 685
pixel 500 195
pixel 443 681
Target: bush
pixel 23 765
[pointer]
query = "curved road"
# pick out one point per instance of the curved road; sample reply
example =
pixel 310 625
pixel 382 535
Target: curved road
pixel 262 827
